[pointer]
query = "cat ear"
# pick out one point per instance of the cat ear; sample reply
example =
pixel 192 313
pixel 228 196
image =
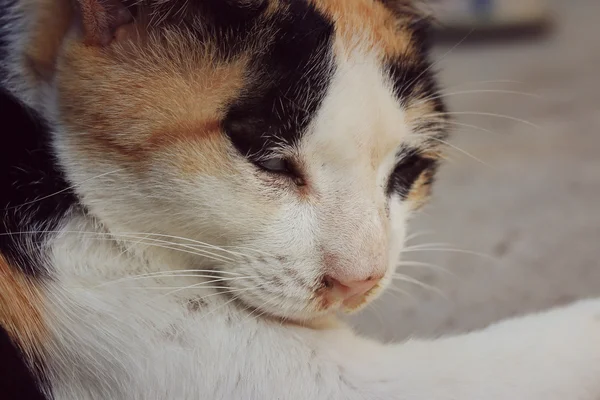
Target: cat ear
pixel 101 20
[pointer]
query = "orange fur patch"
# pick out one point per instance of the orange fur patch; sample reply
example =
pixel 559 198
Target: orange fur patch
pixel 420 191
pixel 137 99
pixel 207 158
pixel 20 309
pixel 190 132
pixel 366 18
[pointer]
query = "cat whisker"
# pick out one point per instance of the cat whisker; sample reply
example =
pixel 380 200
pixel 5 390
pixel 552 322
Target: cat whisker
pixel 136 240
pixel 175 288
pixel 460 150
pixel 61 191
pixel 379 315
pixel 168 273
pixel 425 265
pixel 173 275
pixel 451 250
pixel 268 301
pixel 415 235
pixel 462 124
pixel 196 242
pixel 408 279
pixel 394 290
pixel 251 249
pixel 487 114
pixel 418 246
pixel 121 237
pixel 434 64
pixel 220 248
pixel 483 82
pixel 133 235
pixel 173 246
pixel 219 292
pixel 234 297
pixel 478 91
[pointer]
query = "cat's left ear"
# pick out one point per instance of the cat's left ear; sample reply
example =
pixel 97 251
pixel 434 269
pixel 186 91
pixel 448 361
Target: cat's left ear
pixel 101 20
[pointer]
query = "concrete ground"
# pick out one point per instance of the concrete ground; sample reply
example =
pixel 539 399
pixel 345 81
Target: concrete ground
pixel 533 202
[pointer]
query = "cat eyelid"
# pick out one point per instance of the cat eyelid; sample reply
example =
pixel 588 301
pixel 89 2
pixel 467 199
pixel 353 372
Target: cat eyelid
pixel 283 166
pixel 275 164
pixel 406 171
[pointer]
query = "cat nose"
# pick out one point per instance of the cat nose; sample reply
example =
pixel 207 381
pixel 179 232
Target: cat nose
pixel 343 290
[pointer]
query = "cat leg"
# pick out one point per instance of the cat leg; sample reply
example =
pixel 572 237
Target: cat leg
pixel 554 355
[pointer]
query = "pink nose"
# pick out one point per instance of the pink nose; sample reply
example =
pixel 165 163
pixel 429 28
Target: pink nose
pixel 347 289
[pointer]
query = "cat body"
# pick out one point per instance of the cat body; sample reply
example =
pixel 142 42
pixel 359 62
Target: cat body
pixel 196 188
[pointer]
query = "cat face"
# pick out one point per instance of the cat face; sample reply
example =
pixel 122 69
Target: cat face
pixel 286 141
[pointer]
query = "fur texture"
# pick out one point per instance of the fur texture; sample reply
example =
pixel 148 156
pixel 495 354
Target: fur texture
pixel 218 164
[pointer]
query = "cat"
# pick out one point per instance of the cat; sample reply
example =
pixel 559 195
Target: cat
pixel 193 190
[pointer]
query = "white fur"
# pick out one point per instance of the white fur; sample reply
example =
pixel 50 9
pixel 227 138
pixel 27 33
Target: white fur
pixel 123 340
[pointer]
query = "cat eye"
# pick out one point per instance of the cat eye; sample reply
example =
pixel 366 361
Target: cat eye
pixel 281 166
pixel 407 172
pixel 277 165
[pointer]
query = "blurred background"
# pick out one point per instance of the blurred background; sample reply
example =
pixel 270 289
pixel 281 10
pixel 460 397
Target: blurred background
pixel 514 224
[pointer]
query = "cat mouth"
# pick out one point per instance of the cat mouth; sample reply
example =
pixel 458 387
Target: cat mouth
pixel 358 302
pixel 324 303
pixel 348 305
pixel 355 303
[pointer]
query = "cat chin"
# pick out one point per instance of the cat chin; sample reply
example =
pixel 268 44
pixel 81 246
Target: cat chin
pixel 317 316
pixel 330 318
pixel 325 322
pixel 323 317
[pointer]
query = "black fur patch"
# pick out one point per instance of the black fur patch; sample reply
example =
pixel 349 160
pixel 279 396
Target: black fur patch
pixel 413 75
pixel 407 171
pixel 290 68
pixel 414 82
pixel 229 24
pixel 407 75
pixel 289 80
pixel 34 194
pixel 16 380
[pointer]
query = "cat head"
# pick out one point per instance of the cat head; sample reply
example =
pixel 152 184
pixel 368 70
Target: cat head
pixel 288 141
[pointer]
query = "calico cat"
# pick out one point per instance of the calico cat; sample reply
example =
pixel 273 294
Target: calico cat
pixel 193 189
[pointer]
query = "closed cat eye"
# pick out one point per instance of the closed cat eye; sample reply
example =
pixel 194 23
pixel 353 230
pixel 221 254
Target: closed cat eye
pixel 407 172
pixel 282 166
pixel 278 165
